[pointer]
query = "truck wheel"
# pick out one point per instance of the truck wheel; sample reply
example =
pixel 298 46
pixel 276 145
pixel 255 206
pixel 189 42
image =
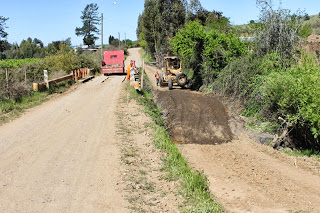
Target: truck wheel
pixel 170 83
pixel 182 79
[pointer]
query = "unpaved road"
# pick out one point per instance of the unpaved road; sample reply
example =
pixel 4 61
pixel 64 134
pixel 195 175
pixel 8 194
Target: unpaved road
pixel 62 156
pixel 87 150
pixel 243 175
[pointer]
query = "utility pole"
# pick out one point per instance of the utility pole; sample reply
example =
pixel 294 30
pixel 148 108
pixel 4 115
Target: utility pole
pixel 101 36
pixel 125 39
pixel 119 41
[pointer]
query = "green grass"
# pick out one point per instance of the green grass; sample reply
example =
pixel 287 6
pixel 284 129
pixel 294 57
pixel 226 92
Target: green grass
pixel 194 185
pixel 10 109
pixel 146 57
pixel 303 153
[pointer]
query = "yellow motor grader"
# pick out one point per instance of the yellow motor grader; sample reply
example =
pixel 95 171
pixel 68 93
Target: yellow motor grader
pixel 172 73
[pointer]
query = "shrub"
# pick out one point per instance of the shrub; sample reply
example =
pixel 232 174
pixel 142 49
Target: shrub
pixel 237 77
pixel 188 44
pixel 294 95
pixel 219 50
pixel 204 53
pixel 278 32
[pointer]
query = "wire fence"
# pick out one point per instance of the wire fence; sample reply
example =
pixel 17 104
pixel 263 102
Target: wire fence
pixel 15 82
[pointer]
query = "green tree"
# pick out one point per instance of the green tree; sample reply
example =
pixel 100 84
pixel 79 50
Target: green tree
pixel 111 39
pixel 215 20
pixel 189 44
pixel 89 29
pixel 55 46
pixel 205 52
pixel 158 23
pixel 278 32
pixel 3 20
pixel 3 34
pixel 14 52
pixel 26 49
pixel 306 17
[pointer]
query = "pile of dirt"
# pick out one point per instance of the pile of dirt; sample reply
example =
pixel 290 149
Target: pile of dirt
pixel 313 45
pixel 194 118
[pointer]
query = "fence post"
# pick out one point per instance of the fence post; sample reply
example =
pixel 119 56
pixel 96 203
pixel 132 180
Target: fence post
pixel 75 75
pixel 25 74
pixel 46 78
pixel 142 74
pixel 7 78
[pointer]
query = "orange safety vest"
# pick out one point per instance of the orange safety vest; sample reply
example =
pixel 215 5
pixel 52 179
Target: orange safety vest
pixel 128 72
pixel 157 76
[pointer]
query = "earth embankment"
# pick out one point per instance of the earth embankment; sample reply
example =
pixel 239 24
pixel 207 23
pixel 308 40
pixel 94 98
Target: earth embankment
pixel 245 176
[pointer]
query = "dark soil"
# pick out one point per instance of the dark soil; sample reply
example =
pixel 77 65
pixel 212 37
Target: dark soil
pixel 193 118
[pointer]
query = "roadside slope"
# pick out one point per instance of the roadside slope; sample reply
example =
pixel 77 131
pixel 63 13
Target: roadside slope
pixel 244 176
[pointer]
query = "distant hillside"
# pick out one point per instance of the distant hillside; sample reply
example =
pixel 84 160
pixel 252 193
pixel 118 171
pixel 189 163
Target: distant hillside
pixel 314 23
pixel 246 30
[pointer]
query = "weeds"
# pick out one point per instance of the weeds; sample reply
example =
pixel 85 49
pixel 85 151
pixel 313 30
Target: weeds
pixel 302 153
pixel 13 108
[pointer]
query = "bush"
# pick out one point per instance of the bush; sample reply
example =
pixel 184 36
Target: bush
pixel 31 70
pixel 294 95
pixel 188 44
pixel 237 77
pixel 278 32
pixel 204 53
pixel 219 51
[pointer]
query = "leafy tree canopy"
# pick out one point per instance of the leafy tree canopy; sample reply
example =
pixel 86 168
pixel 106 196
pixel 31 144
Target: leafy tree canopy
pixel 279 31
pixel 3 20
pixel 89 29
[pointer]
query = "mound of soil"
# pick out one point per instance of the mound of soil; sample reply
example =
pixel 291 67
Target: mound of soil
pixel 193 118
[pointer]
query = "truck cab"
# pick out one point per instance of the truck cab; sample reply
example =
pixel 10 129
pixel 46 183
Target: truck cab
pixel 113 62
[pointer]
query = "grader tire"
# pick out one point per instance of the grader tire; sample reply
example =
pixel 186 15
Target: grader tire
pixel 161 80
pixel 181 79
pixel 170 85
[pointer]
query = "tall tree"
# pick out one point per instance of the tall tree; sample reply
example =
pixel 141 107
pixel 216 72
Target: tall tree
pixel 89 29
pixel 278 32
pixel 3 34
pixel 158 23
pixel 3 20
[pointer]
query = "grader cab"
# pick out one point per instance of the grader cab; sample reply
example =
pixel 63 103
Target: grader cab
pixel 172 75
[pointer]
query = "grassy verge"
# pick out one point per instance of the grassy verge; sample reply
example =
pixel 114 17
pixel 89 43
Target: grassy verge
pixel 10 109
pixel 146 57
pixel 194 185
pixel 303 153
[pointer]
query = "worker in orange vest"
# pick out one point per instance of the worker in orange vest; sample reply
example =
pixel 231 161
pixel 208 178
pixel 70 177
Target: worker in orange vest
pixel 128 70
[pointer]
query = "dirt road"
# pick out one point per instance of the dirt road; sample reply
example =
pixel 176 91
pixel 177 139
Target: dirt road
pixel 73 154
pixel 62 156
pixel 243 175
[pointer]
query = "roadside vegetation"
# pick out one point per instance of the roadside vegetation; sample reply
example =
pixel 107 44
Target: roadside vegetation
pixel 10 109
pixel 272 75
pixel 194 185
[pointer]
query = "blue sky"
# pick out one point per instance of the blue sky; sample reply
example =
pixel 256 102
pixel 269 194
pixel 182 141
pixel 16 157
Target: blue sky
pixel 57 19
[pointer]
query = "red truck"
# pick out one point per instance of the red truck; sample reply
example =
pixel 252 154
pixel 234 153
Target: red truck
pixel 113 62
